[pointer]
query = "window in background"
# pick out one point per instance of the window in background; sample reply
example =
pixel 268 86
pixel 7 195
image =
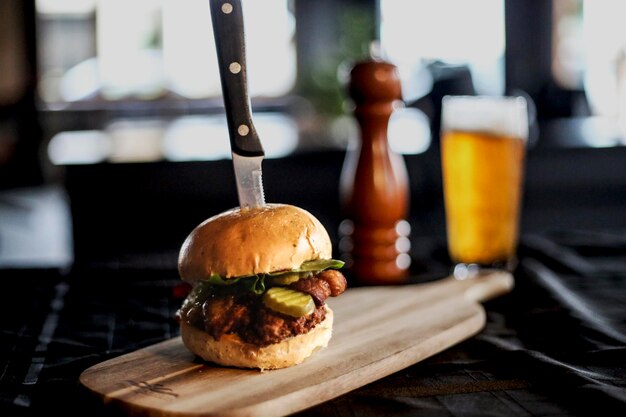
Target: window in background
pixel 106 52
pixel 567 43
pixel 589 50
pixel 604 35
pixel 152 49
pixel 421 32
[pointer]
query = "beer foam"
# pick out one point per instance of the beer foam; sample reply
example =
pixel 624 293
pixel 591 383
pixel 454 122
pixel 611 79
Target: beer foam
pixel 500 115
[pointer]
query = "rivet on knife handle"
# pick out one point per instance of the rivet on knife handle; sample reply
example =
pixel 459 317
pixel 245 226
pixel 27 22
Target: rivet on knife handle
pixel 227 18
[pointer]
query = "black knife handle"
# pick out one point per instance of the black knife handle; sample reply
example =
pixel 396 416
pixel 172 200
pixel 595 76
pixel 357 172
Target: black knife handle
pixel 228 30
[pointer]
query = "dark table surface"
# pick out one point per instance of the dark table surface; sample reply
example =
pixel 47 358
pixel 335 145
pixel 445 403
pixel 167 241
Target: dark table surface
pixel 554 346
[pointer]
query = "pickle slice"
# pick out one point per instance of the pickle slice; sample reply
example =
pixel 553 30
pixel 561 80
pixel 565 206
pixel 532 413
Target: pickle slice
pixel 287 301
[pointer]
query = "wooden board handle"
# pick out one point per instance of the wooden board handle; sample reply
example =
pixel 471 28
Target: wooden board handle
pixel 496 283
pixel 484 286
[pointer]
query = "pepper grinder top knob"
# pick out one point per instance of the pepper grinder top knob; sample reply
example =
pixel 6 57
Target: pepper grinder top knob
pixel 374 81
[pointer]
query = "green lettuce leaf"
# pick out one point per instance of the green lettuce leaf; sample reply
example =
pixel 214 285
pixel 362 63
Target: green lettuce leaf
pixel 253 283
pixel 256 283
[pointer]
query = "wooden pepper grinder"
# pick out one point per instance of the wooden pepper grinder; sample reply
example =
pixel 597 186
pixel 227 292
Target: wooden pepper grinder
pixel 374 186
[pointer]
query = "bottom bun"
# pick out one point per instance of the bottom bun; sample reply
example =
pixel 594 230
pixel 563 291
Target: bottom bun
pixel 230 350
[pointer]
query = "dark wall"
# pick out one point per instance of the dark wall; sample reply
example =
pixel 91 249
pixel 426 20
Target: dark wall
pixel 126 210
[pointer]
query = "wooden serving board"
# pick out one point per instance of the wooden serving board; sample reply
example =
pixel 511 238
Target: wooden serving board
pixel 378 331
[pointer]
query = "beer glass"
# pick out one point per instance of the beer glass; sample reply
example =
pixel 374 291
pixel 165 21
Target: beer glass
pixel 483 143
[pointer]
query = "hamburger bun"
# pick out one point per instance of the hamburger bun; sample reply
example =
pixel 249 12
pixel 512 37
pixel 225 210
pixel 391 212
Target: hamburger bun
pixel 230 350
pixel 275 237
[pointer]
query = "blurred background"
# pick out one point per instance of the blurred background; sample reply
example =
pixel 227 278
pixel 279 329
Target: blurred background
pixel 113 141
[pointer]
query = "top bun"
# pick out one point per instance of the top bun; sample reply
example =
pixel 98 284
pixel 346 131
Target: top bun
pixel 275 237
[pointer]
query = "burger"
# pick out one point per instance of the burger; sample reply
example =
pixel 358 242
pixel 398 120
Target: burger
pixel 260 279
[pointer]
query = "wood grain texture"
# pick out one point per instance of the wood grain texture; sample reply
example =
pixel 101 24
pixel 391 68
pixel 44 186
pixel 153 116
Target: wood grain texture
pixel 378 331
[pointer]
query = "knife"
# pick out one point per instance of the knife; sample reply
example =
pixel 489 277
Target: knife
pixel 247 151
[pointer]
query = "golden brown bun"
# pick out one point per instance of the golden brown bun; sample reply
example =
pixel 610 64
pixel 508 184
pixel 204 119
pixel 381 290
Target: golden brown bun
pixel 230 350
pixel 238 242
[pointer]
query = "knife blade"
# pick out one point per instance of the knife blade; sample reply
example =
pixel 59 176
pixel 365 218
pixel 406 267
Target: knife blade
pixel 247 151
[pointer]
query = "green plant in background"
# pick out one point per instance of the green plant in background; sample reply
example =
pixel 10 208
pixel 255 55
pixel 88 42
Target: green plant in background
pixel 326 86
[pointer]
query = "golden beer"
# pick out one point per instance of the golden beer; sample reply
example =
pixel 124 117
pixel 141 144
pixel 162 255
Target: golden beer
pixel 482 175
